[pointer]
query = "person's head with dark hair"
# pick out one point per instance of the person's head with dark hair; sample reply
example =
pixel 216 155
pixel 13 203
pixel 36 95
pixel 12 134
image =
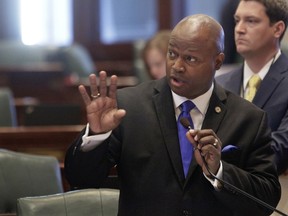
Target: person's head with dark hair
pixel 260 26
pixel 276 10
pixel 154 54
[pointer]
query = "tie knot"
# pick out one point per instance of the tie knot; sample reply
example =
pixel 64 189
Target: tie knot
pixel 187 106
pixel 254 81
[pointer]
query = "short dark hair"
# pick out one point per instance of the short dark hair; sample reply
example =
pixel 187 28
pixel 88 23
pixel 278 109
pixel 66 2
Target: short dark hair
pixel 276 10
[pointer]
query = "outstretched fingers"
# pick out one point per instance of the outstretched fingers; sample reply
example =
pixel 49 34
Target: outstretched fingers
pixel 113 87
pixel 103 84
pixel 93 85
pixel 84 95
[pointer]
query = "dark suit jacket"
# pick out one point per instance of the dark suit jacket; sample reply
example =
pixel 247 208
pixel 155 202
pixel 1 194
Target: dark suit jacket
pixel 272 97
pixel 146 150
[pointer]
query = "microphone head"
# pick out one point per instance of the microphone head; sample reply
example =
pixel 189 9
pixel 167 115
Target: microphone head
pixel 185 122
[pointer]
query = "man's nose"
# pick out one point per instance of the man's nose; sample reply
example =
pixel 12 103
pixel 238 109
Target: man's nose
pixel 178 65
pixel 240 27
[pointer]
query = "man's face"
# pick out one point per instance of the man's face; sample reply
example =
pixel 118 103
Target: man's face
pixel 253 32
pixel 191 62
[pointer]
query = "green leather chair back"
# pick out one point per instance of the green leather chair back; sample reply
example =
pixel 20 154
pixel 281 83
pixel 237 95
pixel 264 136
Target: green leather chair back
pixel 86 202
pixel 23 175
pixel 77 60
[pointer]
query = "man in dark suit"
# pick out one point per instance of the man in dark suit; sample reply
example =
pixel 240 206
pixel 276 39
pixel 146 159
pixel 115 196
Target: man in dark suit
pixel 135 128
pixel 260 26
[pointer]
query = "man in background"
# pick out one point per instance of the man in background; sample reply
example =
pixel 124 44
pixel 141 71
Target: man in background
pixel 263 78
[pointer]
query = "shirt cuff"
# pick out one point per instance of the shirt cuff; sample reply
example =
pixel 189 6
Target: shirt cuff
pixel 216 184
pixel 91 142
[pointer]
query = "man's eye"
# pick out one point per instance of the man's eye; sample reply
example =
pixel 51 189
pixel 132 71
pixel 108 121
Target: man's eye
pixel 191 59
pixel 252 21
pixel 171 54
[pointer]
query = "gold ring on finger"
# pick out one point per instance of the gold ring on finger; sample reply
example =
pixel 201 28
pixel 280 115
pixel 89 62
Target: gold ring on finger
pixel 215 143
pixel 95 96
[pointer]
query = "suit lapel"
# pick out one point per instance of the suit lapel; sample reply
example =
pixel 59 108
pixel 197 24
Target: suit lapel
pixel 166 115
pixel 216 109
pixel 234 83
pixel 271 81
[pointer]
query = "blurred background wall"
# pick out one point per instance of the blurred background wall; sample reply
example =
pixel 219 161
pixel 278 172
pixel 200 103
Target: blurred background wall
pixel 108 28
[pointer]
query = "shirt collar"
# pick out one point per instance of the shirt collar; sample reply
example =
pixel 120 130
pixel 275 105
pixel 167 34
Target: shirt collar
pixel 262 73
pixel 201 102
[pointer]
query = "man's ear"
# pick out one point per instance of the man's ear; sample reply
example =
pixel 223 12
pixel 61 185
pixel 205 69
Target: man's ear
pixel 279 28
pixel 219 60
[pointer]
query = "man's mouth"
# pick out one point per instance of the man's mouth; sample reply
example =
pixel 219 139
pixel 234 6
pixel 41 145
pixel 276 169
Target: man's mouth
pixel 176 81
pixel 240 41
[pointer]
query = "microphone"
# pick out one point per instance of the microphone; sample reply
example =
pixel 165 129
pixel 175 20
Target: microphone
pixel 185 122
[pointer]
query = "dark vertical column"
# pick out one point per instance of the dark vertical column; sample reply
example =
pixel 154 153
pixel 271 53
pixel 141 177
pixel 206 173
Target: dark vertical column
pixel 177 12
pixel 86 21
pixel 164 14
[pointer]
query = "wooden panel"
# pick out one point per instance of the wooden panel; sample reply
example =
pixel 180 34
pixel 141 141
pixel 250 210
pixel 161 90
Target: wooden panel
pixel 8 214
pixel 48 82
pixel 49 140
pixel 42 81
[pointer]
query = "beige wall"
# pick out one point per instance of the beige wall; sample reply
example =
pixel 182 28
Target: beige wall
pixel 283 204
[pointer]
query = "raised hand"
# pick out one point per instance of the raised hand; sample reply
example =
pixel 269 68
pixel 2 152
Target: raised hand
pixel 101 105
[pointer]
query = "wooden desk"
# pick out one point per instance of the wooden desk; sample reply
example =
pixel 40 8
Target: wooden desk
pixel 34 67
pixel 45 140
pixel 8 214
pixel 122 81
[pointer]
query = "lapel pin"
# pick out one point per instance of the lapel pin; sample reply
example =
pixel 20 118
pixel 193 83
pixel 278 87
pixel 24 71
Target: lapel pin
pixel 217 109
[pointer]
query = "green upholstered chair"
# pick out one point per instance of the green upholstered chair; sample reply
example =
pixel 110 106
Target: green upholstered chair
pixel 77 60
pixel 23 175
pixel 85 202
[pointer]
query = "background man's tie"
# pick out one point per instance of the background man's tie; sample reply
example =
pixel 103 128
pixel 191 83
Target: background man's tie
pixel 185 146
pixel 253 85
